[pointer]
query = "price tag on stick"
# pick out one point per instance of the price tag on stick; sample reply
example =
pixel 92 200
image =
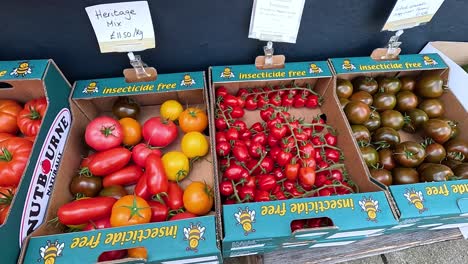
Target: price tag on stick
pixel 411 13
pixel 122 27
pixel 276 20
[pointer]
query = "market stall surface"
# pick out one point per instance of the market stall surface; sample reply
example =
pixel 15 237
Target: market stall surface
pixel 443 246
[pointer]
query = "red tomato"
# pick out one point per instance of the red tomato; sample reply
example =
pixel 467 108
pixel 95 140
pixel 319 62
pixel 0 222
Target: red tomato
pixel 246 193
pixel 242 92
pixel 262 196
pixel 98 224
pixel 9 111
pixel 312 101
pixel 156 178
pixel 223 148
pixel 158 132
pixel 256 150
pixel 257 127
pixel 241 153
pixel 82 211
pixel 184 215
pixel 240 125
pixel 232 134
pixel 266 182
pixel 221 91
pixel 235 172
pixel 278 173
pixel 266 165
pixel 266 114
pixel 220 137
pixel 297 224
pixel 230 100
pixel 250 181
pixel 174 199
pixel 14 156
pixel 251 103
pixel 278 131
pixel 307 175
pixel 299 100
pixel 307 150
pixel 260 138
pixel 237 112
pixel 287 100
pixel 141 151
pixel 319 122
pixel 112 255
pixel 226 188
pixel 104 133
pixel 5 136
pixel 220 124
pixel 332 154
pixel 159 211
pixel 330 139
pixel 141 188
pixel 291 171
pixel 262 100
pixel 275 99
pixel 283 158
pixel 126 176
pixel 109 161
pixel 30 118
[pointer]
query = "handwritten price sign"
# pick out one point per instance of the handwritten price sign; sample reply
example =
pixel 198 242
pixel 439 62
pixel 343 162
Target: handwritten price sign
pixel 122 27
pixel 411 13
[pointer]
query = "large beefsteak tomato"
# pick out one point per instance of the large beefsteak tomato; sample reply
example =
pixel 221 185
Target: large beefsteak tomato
pixel 9 111
pixel 159 132
pixel 14 155
pixel 104 133
pixel 30 118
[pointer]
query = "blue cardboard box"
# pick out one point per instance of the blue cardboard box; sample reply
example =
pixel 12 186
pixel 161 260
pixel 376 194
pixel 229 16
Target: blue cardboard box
pixel 22 81
pixel 429 204
pixel 258 227
pixel 166 242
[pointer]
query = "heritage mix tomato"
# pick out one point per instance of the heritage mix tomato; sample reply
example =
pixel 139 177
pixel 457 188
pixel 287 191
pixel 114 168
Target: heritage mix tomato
pixel 130 177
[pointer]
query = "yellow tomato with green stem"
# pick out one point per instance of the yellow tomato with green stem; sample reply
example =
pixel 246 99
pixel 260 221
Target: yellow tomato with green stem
pixel 176 165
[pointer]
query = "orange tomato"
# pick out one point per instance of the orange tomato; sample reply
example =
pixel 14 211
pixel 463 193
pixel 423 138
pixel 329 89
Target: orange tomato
pixel 198 198
pixel 130 210
pixel 131 131
pixel 139 253
pixel 9 111
pixel 5 136
pixel 193 119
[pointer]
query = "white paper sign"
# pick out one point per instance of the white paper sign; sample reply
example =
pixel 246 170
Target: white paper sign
pixel 276 20
pixel 122 27
pixel 411 13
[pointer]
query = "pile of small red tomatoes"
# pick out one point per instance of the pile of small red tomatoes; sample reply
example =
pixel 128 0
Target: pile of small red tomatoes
pixel 280 156
pixel 128 179
pixel 19 127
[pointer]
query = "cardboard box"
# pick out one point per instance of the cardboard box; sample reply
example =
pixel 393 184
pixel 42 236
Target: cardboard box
pixel 23 81
pixel 269 226
pixel 454 54
pixel 441 202
pixel 164 241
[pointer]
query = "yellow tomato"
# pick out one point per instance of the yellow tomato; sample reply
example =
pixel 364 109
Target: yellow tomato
pixel 176 165
pixel 194 144
pixel 171 109
pixel 131 131
pixel 193 119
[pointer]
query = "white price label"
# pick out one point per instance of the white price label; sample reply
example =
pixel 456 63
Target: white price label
pixel 276 20
pixel 122 27
pixel 411 13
